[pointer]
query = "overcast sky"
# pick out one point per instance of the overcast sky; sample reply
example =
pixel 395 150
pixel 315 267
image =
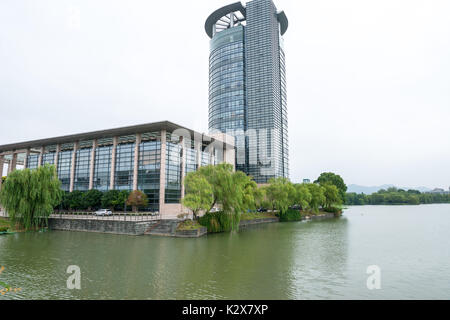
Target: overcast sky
pixel 368 81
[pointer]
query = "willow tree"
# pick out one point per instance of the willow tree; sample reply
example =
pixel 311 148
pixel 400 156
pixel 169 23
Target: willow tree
pixel 280 193
pixel 332 196
pixel 233 191
pixel 29 196
pixel 317 196
pixel 302 196
pixel 199 194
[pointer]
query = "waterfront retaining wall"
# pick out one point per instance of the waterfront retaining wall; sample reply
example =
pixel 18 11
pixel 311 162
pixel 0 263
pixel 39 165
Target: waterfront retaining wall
pixel 323 216
pixel 165 228
pixel 248 223
pixel 100 226
pixel 191 233
pixel 161 228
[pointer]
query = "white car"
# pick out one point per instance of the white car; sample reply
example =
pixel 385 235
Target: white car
pixel 103 212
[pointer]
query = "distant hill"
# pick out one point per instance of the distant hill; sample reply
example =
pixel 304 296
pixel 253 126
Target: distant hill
pixel 369 190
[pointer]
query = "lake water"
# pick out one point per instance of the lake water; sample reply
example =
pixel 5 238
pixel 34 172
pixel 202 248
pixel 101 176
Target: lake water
pixel 304 260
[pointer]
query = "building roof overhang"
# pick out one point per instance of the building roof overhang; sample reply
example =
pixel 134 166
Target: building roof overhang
pixel 234 7
pixel 109 133
pixel 219 13
pixel 284 22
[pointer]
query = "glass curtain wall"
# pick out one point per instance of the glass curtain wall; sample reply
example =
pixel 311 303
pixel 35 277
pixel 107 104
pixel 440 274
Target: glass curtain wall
pixel 64 166
pixel 102 167
pixel 49 155
pixel 191 160
pixel 123 178
pixel 33 161
pixel 149 169
pixel 48 158
pixel 173 173
pixel 206 158
pixel 82 169
pixel 227 90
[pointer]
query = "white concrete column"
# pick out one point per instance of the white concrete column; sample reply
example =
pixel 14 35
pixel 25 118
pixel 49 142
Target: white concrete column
pixel 13 163
pixel 230 156
pixel 41 155
pixel 162 172
pixel 92 165
pixel 211 155
pixel 136 161
pixel 58 150
pixel 113 163
pixel 73 165
pixel 183 166
pixel 198 147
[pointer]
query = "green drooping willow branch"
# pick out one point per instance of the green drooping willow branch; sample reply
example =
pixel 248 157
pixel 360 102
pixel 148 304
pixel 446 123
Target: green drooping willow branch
pixel 29 196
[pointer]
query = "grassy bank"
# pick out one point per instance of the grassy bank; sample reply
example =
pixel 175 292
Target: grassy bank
pixel 189 225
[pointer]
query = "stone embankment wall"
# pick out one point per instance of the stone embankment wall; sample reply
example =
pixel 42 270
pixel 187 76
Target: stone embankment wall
pixel 166 228
pixel 323 216
pixel 249 223
pixel 191 233
pixel 134 228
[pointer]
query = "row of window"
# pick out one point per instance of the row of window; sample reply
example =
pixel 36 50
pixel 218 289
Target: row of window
pixel 148 172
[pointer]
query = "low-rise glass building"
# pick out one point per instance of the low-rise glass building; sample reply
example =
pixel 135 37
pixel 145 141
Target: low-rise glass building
pixel 153 158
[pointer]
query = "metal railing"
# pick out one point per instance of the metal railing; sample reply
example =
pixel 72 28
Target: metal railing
pixel 115 216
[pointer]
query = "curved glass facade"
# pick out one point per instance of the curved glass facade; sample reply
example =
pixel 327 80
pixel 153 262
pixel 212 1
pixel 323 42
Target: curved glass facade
pixel 226 81
pixel 247 87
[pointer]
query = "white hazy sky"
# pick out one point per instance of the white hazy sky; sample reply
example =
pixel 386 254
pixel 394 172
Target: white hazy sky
pixel 368 81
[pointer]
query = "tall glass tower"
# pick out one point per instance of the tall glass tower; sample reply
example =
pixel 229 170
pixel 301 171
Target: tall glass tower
pixel 247 85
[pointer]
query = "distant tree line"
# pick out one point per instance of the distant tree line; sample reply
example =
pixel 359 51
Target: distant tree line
pixel 394 196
